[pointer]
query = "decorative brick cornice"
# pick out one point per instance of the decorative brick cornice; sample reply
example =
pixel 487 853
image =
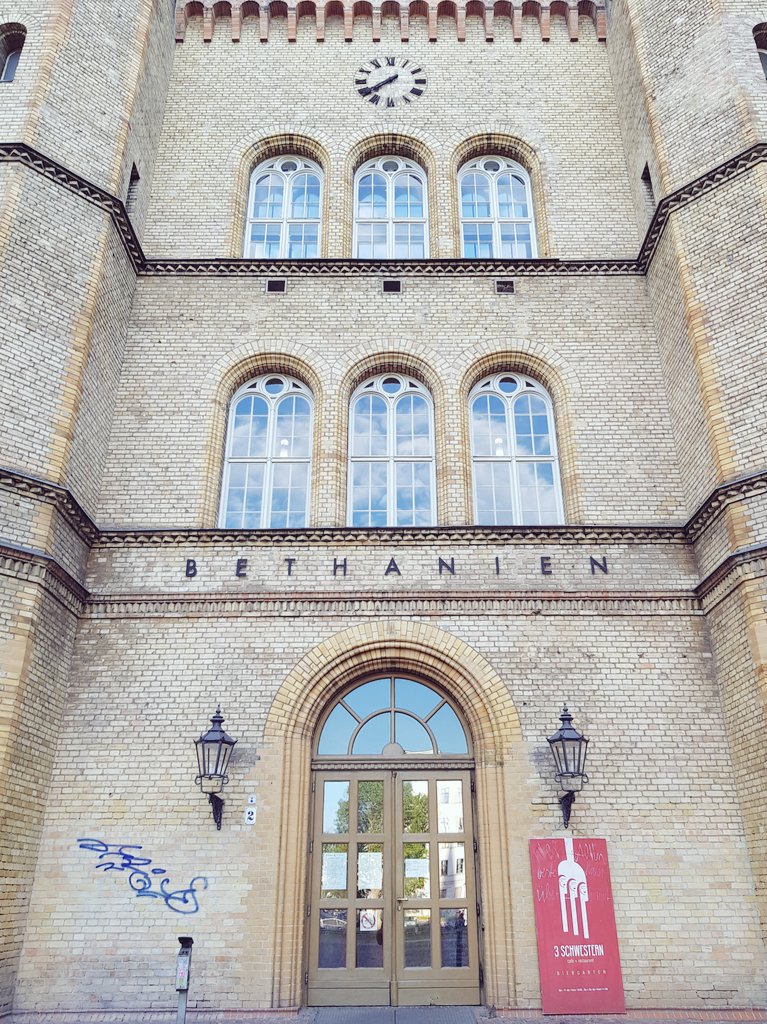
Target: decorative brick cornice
pixel 18 152
pixel 28 565
pixel 237 11
pixel 44 490
pixel 748 486
pixel 395 536
pixel 390 268
pixel 720 175
pixel 746 563
pixel 472 603
pixel 740 163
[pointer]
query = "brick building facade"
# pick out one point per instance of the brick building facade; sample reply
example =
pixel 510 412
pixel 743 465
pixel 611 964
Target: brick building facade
pixel 627 579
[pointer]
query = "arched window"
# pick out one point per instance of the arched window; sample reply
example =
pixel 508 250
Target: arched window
pixel 268 452
pixel 514 452
pixel 390 213
pixel 284 210
pixel 390 717
pixel 391 465
pixel 496 210
pixel 12 36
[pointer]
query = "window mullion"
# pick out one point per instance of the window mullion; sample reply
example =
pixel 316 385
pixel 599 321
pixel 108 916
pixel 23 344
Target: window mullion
pixel 266 501
pixel 516 496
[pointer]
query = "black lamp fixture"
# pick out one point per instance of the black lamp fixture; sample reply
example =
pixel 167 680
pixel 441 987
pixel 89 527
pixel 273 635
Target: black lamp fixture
pixel 214 748
pixel 569 749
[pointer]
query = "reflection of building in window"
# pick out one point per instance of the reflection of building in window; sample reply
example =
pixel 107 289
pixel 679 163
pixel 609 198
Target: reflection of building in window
pixel 268 449
pixel 284 210
pixel 496 210
pixel 514 452
pixel 391 465
pixel 390 218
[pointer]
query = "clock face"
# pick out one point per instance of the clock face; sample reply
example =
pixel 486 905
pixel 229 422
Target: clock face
pixel 390 81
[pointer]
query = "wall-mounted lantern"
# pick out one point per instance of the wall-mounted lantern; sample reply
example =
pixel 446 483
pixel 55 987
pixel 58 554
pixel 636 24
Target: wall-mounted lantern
pixel 214 748
pixel 569 749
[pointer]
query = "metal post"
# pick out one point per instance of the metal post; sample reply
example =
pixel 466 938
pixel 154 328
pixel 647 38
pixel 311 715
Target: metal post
pixel 183 969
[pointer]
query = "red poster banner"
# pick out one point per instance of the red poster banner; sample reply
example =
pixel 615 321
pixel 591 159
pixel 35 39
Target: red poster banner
pixel 578 954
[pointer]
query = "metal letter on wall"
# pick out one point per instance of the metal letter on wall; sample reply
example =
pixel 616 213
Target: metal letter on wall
pixel 578 956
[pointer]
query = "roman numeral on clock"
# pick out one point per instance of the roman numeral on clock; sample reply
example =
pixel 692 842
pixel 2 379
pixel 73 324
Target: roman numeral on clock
pixel 390 62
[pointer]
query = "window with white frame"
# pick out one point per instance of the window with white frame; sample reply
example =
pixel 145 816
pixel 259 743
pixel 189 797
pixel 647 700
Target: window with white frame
pixel 268 455
pixel 391 445
pixel 496 210
pixel 284 210
pixel 390 210
pixel 514 452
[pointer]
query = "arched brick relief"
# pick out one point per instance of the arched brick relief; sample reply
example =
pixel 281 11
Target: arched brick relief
pixel 760 35
pixel 502 768
pixel 595 12
pixel 499 141
pixel 349 10
pixel 562 9
pixel 184 14
pixel 405 646
pixel 263 144
pixel 410 365
pixel 215 393
pixel 563 385
pixel 395 141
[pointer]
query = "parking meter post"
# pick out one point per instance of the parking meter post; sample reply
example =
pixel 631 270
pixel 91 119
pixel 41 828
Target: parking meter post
pixel 183 968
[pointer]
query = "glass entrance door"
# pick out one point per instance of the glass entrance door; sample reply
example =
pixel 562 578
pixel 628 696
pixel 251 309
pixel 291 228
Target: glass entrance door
pixel 393 910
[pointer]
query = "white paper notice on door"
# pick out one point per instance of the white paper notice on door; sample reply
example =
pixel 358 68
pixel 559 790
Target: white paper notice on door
pixel 333 870
pixel 370 870
pixel 416 867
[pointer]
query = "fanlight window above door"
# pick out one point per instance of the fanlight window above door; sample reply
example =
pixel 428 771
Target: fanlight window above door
pixel 390 717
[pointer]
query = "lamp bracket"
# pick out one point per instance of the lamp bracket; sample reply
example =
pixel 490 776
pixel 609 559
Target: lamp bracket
pixel 566 803
pixel 217 805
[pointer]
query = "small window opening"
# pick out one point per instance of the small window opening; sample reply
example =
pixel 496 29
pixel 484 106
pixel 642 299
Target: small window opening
pixel 130 199
pixel 392 287
pixel 277 286
pixel 11 44
pixel 649 191
pixel 504 287
pixel 763 59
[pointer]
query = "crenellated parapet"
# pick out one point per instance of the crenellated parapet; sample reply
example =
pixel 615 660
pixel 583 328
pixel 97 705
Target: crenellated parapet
pixel 239 11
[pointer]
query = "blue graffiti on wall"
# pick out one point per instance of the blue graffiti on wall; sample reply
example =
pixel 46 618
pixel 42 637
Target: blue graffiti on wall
pixel 143 879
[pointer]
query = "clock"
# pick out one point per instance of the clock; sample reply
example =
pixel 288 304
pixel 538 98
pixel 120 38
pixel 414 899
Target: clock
pixel 389 81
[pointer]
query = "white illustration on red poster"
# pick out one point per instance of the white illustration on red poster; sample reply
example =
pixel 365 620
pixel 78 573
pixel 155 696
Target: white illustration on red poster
pixel 573 889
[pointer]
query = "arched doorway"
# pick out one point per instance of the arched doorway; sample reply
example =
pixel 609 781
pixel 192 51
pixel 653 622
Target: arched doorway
pixel 393 904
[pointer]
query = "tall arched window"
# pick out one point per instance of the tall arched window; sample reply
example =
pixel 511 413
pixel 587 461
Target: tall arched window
pixel 496 210
pixel 390 212
pixel 514 452
pixel 284 210
pixel 12 36
pixel 268 452
pixel 391 465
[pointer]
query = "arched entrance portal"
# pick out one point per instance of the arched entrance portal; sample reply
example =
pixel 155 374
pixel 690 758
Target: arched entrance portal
pixel 393 907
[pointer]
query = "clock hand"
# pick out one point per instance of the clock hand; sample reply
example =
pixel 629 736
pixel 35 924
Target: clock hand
pixel 386 81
